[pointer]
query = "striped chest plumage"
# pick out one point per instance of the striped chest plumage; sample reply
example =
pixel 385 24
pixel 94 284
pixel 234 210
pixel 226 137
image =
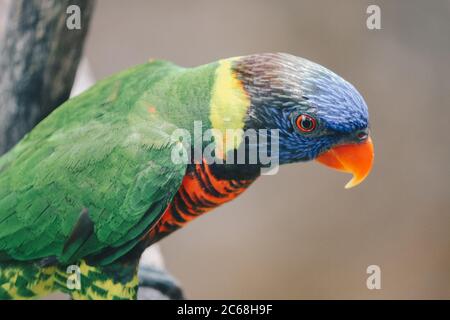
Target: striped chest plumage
pixel 202 190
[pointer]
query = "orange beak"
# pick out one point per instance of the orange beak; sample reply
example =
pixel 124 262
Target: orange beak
pixel 356 159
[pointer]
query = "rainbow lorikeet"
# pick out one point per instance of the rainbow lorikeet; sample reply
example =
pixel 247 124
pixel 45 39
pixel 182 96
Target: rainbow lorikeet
pixel 95 183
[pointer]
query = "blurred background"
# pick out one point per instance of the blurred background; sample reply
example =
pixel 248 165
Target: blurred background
pixel 299 234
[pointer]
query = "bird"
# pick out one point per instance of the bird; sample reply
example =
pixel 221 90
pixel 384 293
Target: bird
pixel 98 181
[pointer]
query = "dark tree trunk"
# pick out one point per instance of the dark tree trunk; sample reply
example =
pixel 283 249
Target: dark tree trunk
pixel 39 57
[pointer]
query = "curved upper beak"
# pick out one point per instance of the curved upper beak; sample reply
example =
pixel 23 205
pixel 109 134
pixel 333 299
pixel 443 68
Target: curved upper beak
pixel 356 159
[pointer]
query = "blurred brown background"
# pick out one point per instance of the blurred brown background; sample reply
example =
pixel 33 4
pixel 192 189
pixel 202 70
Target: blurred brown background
pixel 300 234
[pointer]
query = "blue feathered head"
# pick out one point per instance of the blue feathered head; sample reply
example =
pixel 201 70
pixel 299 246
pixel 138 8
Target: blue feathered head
pixel 318 114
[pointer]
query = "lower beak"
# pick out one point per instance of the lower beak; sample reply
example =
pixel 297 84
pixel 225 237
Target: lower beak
pixel 356 159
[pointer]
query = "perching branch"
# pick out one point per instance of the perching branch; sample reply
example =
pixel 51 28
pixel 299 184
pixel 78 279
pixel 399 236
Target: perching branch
pixel 39 57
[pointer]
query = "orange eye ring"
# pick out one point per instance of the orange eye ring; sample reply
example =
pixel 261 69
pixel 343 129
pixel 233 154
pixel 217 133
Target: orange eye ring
pixel 306 123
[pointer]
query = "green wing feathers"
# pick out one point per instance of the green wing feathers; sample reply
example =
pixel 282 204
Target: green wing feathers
pixel 91 177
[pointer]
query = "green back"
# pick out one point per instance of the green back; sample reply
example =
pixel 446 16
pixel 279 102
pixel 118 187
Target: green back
pixel 94 176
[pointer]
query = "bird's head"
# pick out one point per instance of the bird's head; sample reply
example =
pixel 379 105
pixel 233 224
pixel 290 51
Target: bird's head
pixel 318 114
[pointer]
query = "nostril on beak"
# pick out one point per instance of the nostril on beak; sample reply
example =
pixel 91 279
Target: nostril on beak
pixel 362 134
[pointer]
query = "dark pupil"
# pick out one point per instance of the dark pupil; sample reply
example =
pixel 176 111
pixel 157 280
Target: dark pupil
pixel 307 123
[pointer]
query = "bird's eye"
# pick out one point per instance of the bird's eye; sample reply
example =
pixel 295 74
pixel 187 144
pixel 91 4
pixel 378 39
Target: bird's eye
pixel 306 123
